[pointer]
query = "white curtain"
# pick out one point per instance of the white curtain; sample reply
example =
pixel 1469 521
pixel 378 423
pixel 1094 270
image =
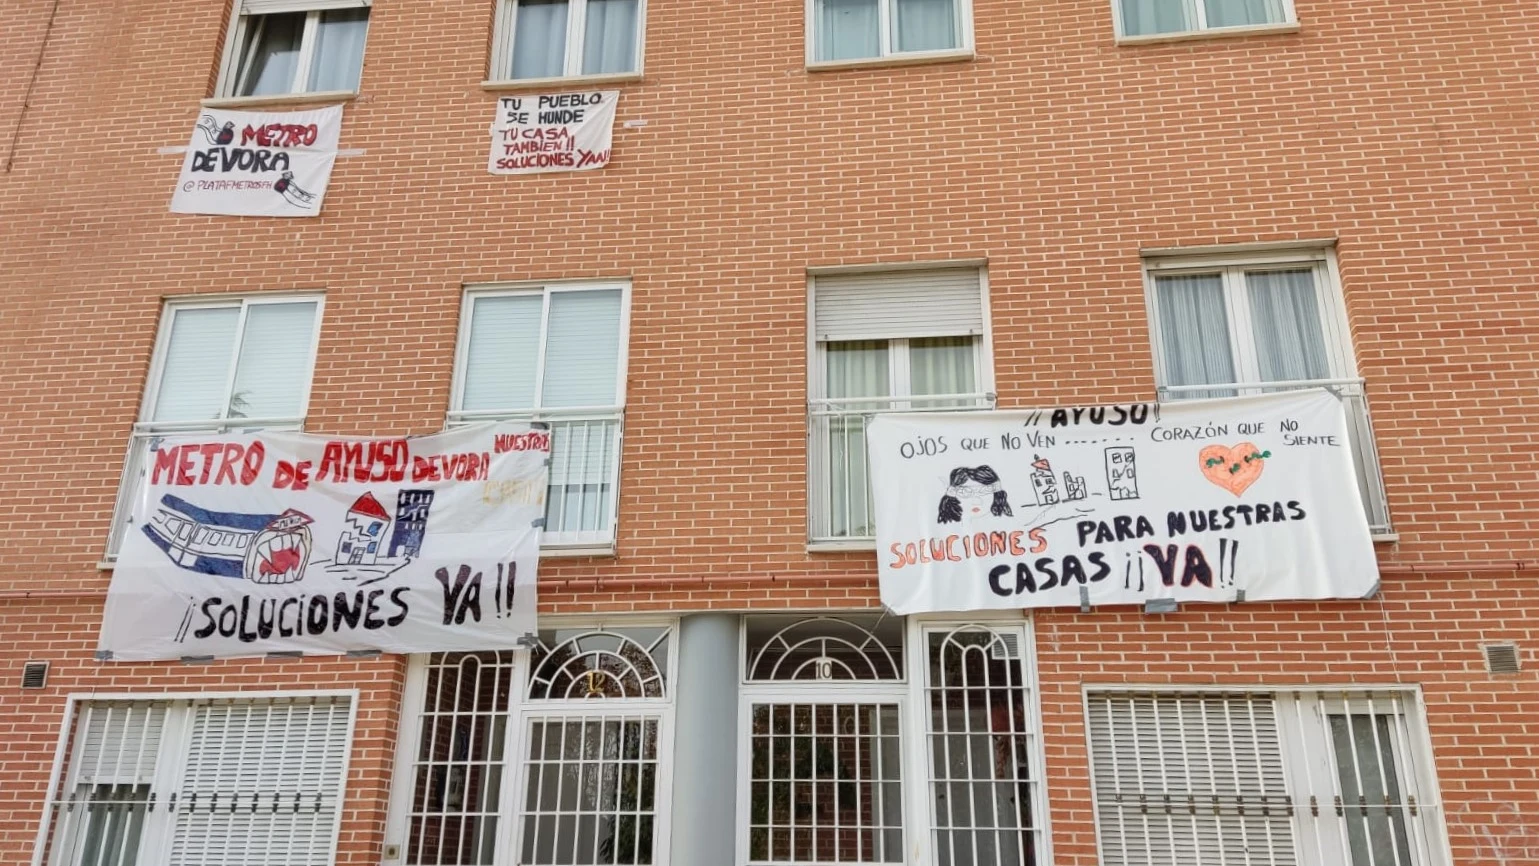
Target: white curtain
pixel 339 49
pixel 582 349
pixel 270 54
pixel 609 37
pixel 197 365
pixel 855 369
pixel 502 357
pixel 539 39
pixel 274 363
pixel 1144 17
pixel 847 29
pixel 1285 315
pixel 1194 333
pixel 941 365
pixel 1238 13
pixel 924 25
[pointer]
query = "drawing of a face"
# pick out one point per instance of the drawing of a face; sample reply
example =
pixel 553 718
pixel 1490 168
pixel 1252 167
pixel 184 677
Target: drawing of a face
pixel 281 550
pixel 974 496
pixel 972 491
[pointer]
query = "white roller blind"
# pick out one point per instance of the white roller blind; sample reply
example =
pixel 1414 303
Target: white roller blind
pixel 262 783
pixel 1183 779
pixel 502 355
pixel 272 7
pixel 119 742
pixel 196 369
pixel 944 302
pixel 582 349
pixel 274 366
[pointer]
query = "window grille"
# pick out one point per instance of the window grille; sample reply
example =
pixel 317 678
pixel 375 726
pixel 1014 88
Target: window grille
pixel 591 790
pixel 600 664
pixel 826 649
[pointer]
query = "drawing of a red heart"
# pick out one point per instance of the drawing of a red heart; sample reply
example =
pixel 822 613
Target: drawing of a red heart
pixel 1233 469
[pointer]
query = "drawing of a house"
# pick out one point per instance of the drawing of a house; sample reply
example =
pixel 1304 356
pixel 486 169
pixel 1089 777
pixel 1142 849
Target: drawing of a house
pixel 367 524
pixel 1043 481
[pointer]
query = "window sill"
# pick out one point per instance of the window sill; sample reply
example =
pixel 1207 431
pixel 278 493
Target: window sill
pixel 1216 33
pixel 1385 537
pixel 280 99
pixel 892 60
pixel 852 546
pixel 579 81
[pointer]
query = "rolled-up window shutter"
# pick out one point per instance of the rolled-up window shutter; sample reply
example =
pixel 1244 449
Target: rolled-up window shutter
pixel 944 302
pixel 273 7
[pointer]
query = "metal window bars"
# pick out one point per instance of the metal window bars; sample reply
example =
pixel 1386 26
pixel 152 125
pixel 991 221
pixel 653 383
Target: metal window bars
pixel 601 664
pixel 580 501
pixel 590 795
pixel 839 479
pixel 1353 395
pixel 825 648
pixel 99 810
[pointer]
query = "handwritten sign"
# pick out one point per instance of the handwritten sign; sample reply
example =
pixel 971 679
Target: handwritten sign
pixel 561 132
pixel 245 544
pixel 250 163
pixel 1202 500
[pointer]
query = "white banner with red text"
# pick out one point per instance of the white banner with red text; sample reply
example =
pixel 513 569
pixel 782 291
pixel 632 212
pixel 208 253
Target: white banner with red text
pixel 259 163
pixel 555 132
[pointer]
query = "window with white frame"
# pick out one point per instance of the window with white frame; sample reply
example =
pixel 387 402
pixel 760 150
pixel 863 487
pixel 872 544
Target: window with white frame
pixel 587 717
pixel 884 341
pixel 567 38
pixel 554 354
pixel 1260 322
pixel 281 47
pixel 845 30
pixel 841 715
pixel 224 364
pixel 1330 777
pixel 190 782
pixel 1160 17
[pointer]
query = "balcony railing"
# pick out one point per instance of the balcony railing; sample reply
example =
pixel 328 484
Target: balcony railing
pixel 839 474
pixel 584 471
pixel 1365 453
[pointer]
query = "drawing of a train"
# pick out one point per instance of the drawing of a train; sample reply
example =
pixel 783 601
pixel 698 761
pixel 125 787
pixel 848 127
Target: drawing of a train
pixel 263 548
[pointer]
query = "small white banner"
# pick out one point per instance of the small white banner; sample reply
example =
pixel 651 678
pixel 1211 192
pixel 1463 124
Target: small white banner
pixel 245 544
pixel 253 163
pixel 1199 500
pixel 560 132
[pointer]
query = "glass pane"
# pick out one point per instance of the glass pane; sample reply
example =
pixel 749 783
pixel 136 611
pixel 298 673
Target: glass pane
pixel 539 39
pixel 1194 333
pixel 500 360
pixel 924 25
pixel 1143 17
pixel 197 365
pixel 339 49
pixel 1285 314
pixel 582 349
pixel 609 40
pixel 1239 13
pixel 941 365
pixel 599 806
pixel 274 365
pixel 846 29
pixel 270 54
pixel 1370 790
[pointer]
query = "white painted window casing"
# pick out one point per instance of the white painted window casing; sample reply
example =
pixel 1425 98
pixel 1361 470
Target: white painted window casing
pixel 852 31
pixel 540 40
pixel 280 47
pixel 1154 18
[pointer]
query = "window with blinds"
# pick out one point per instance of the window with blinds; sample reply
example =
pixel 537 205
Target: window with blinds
pixel 279 47
pixel 235 364
pixel 905 340
pixel 1272 778
pixel 249 781
pixel 554 354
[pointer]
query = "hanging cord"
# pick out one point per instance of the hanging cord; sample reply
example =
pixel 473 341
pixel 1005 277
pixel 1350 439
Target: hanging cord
pixel 26 102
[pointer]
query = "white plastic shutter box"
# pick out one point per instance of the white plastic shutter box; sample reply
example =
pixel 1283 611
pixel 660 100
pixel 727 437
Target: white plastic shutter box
pixel 944 302
pixel 273 7
pixel 276 767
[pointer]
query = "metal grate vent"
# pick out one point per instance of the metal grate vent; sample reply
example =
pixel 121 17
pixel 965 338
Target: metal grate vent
pixel 1007 647
pixel 1502 658
pixel 34 675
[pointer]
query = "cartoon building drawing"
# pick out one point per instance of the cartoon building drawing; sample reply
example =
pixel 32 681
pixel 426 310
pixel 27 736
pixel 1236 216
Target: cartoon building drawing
pixel 1043 481
pixel 364 532
pixel 1121 478
pixel 1074 487
pixel 411 514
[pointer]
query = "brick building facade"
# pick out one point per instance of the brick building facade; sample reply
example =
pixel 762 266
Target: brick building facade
pixel 1072 165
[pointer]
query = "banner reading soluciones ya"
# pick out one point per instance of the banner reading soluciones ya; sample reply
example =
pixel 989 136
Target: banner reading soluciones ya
pixel 1201 500
pixel 245 544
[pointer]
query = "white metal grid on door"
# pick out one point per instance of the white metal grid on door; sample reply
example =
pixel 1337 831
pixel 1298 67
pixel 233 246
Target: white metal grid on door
pixel 982 747
pixel 458 764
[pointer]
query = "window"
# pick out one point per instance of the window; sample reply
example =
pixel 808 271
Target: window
pixel 185 782
pixel 844 30
pixel 1158 17
pixel 587 715
pixel 911 340
pixel 554 354
pixel 1339 778
pixel 279 47
pixel 567 38
pixel 1260 322
pixel 222 365
pixel 841 715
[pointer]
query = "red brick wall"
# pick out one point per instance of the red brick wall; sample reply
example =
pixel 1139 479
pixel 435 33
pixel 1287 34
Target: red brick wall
pixel 1404 130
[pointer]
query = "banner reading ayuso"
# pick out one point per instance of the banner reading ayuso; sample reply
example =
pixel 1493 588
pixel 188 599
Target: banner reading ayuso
pixel 254 163
pixel 1200 500
pixel 245 544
